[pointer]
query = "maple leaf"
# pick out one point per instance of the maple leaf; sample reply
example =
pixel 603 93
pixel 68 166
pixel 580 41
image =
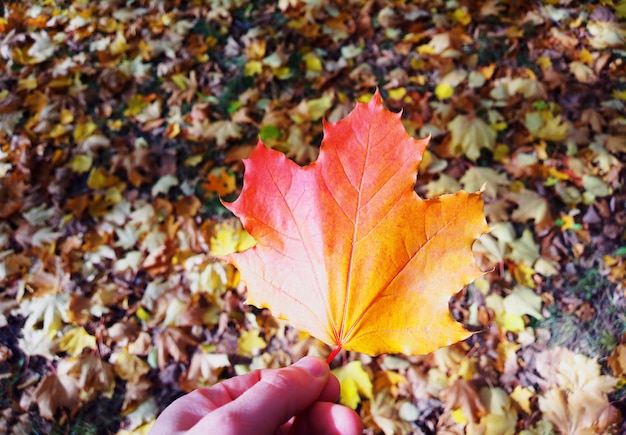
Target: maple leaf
pixel 75 340
pixel 37 342
pixel 347 251
pixel 531 205
pixel 469 135
pixel 42 49
pixel 50 309
pixel 385 415
pixel 355 382
pixel 462 395
pixel 204 369
pixel 129 367
pixel 576 401
pixel 173 342
pixel 55 391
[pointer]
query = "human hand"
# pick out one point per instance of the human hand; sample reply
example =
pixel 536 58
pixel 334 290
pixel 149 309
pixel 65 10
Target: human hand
pixel 295 400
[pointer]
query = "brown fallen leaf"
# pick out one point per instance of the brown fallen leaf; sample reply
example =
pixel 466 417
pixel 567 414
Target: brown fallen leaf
pixel 174 342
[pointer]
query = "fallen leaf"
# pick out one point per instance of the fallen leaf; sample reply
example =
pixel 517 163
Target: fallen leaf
pixel 204 369
pixel 128 366
pixel 476 177
pixel 523 301
pixel 355 382
pixel 617 360
pixel 444 91
pixel 521 396
pixel 544 125
pixel 37 342
pixel 575 400
pixel 75 340
pixel 230 238
pixel 220 181
pixel 463 395
pixel 385 415
pixel 56 391
pixel 51 309
pixel 469 135
pixel 250 343
pixel 173 342
pixel 531 205
pixel 164 184
pixel 346 249
pixel 389 380
pixel 501 417
pixel 141 418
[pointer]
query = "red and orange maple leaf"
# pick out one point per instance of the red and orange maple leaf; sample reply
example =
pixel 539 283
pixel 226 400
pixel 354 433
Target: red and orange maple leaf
pixel 347 251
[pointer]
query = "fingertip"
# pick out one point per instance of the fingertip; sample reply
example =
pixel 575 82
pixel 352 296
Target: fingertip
pixel 345 421
pixel 331 390
pixel 327 418
pixel 314 366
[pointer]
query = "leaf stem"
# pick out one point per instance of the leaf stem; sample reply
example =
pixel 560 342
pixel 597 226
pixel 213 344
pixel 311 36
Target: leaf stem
pixel 333 354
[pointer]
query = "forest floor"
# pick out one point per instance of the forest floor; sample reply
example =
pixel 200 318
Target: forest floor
pixel 122 124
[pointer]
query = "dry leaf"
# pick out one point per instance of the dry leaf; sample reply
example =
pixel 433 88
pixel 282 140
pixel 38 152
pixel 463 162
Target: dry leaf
pixel 469 135
pixel 355 382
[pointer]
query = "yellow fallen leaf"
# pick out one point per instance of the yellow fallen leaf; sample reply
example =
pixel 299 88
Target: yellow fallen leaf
pixel 319 106
pixel 444 91
pixel 250 343
pixel 507 321
pixel 59 130
pixel 523 301
pixel 252 68
pixel 582 72
pixel 115 124
pixel 459 416
pixel 99 178
pixel 544 62
pixel 75 340
pixel 66 116
pixel 128 366
pixel 469 134
pixel 620 9
pixel 512 322
pixel 136 104
pixel 585 56
pixel 523 274
pixel 229 239
pixel 492 424
pixel 544 125
pixel 312 62
pixel 28 83
pixel 355 382
pixel 80 163
pixel 521 396
pixel 462 17
pixel 389 380
pixel 397 93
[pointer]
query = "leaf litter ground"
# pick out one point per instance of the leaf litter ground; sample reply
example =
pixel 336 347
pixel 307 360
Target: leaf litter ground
pixel 121 126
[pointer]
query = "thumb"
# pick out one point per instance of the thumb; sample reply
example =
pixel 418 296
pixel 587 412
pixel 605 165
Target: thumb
pixel 278 395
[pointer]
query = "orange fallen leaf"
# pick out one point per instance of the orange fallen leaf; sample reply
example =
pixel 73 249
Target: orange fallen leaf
pixel 347 251
pixel 221 182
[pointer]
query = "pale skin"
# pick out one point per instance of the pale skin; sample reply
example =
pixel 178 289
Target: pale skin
pixel 298 399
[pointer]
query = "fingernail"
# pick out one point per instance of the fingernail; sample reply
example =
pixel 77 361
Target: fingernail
pixel 314 366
